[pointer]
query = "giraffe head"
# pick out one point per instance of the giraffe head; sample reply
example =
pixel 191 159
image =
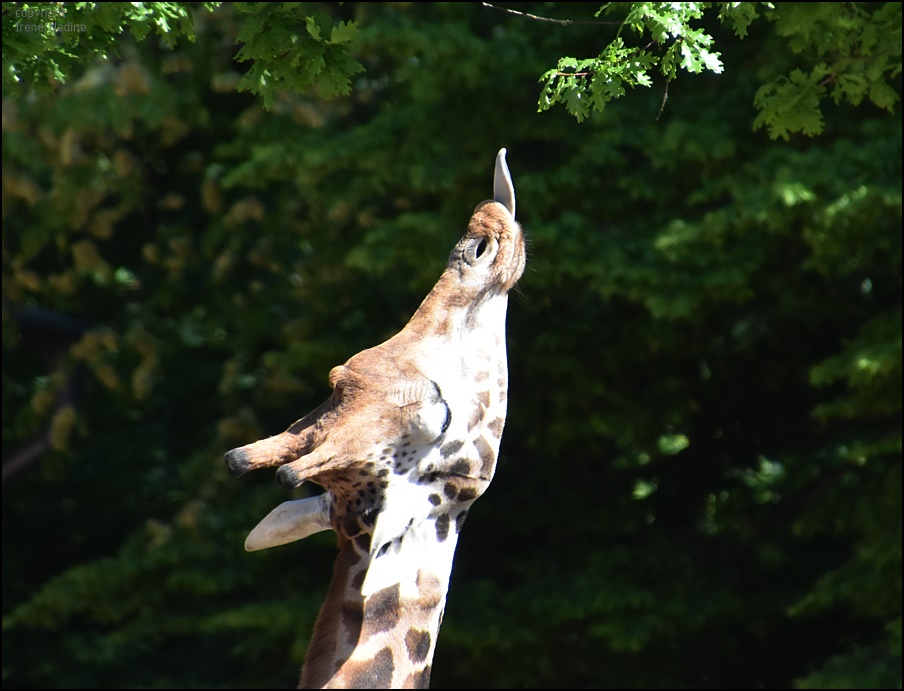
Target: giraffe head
pixel 409 437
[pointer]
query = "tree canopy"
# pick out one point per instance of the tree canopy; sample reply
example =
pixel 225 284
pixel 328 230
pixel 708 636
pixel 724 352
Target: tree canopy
pixel 206 206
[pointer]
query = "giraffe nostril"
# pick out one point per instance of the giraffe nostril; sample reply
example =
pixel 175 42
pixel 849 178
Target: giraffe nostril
pixel 480 249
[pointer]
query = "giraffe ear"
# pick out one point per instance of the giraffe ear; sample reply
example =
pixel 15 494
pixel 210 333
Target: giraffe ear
pixel 503 189
pixel 291 521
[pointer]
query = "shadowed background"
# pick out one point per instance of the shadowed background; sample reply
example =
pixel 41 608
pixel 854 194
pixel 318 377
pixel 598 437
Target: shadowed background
pixel 700 479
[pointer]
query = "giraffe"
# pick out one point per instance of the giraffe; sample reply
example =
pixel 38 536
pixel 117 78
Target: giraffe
pixel 405 444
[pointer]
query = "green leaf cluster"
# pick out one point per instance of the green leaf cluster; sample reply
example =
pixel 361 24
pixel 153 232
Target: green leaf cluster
pixel 852 52
pixel 578 84
pixel 855 55
pixel 45 43
pixel 588 85
pixel 290 50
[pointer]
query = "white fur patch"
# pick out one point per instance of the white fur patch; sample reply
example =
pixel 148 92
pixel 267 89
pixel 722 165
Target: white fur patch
pixel 404 538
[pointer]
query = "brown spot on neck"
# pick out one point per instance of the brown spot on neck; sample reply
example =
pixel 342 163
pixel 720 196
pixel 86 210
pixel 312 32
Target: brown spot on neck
pixel 375 673
pixel 487 457
pixel 496 427
pixel 418 644
pixel 430 590
pixel 442 527
pixel 418 680
pixel 382 611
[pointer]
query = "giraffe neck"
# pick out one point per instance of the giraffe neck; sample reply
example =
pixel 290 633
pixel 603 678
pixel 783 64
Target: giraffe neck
pixel 385 639
pixel 446 314
pixel 379 623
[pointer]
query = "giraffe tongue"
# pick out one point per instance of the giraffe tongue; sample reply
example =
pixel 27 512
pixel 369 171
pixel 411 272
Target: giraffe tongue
pixel 503 190
pixel 291 521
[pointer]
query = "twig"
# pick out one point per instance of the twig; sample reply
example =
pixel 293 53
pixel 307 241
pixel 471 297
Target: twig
pixel 564 22
pixel 665 97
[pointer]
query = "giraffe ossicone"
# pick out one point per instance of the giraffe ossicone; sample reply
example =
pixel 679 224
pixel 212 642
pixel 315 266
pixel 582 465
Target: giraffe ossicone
pixel 405 444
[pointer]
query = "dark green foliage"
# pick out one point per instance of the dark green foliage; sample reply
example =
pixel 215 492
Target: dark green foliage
pixel 857 54
pixel 291 50
pixel 46 42
pixel 700 480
